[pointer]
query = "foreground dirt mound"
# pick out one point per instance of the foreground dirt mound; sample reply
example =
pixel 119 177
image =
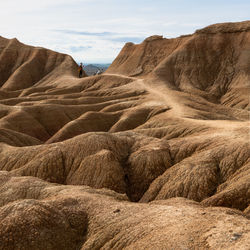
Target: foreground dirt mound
pixel 170 118
pixel 40 215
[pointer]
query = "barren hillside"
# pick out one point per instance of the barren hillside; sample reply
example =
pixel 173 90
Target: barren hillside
pixel 153 154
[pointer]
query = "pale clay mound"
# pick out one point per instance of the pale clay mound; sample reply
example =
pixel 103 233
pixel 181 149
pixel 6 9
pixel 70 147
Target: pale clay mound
pixel 167 126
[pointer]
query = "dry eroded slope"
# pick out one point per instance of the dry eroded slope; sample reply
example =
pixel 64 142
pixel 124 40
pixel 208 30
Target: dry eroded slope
pixel 169 119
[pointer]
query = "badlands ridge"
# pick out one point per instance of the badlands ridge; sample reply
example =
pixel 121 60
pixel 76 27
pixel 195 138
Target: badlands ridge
pixel 152 154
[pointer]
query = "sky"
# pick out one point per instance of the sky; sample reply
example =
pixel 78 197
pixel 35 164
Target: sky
pixel 94 31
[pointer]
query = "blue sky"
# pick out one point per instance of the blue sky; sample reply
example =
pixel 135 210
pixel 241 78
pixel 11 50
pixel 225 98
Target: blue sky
pixel 96 30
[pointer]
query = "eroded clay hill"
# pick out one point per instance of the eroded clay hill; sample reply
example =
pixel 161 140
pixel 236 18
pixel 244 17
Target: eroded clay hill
pixel 167 126
pixel 24 66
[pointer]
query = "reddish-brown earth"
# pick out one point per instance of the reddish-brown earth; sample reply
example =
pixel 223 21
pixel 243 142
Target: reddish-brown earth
pixel 153 154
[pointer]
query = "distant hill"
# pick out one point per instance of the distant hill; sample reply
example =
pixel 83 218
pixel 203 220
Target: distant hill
pixel 23 66
pixel 92 69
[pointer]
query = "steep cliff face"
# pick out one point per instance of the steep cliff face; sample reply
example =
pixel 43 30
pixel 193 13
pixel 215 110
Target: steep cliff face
pixel 213 62
pixel 23 66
